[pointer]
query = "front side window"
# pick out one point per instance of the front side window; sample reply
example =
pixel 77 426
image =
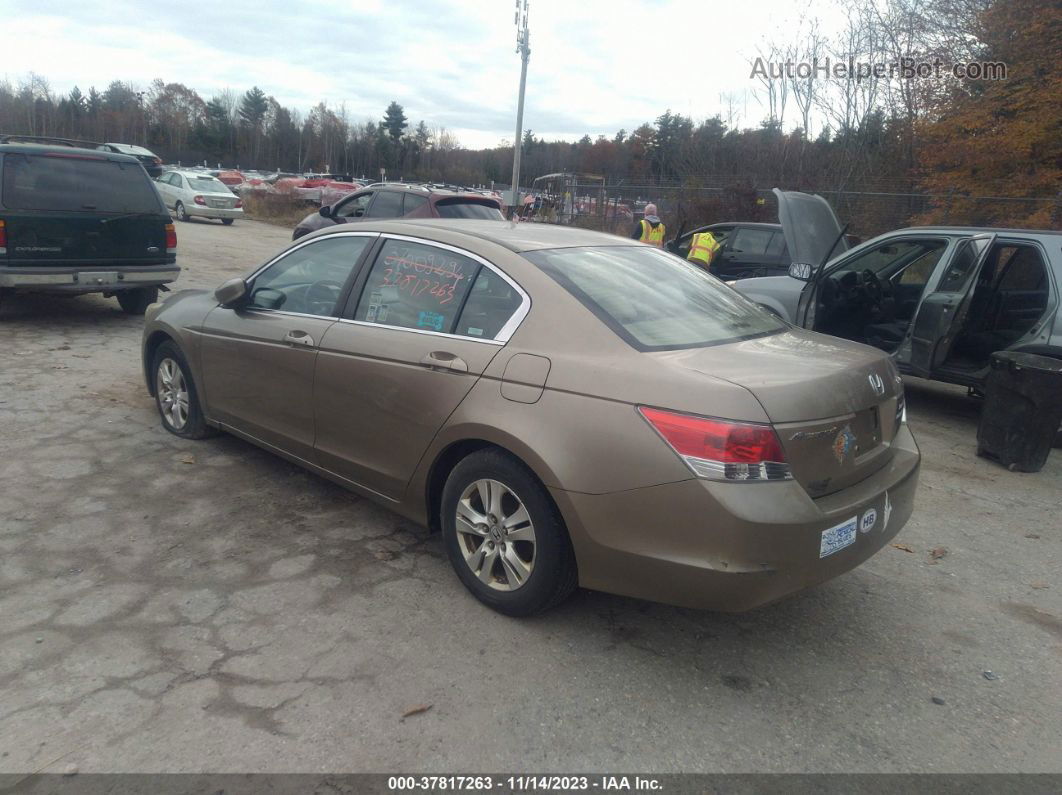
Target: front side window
pixel 76 183
pixel 310 279
pixel 416 286
pixel 355 207
pixel 750 241
pixel 654 300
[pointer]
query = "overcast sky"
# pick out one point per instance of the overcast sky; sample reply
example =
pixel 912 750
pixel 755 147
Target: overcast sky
pixel 596 66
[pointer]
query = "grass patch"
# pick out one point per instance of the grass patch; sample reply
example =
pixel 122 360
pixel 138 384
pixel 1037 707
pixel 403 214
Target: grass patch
pixel 276 208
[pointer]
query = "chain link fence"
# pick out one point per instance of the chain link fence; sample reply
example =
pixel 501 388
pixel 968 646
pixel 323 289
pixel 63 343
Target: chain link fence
pixel 617 208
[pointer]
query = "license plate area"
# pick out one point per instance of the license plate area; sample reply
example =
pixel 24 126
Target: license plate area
pixel 838 537
pixel 97 277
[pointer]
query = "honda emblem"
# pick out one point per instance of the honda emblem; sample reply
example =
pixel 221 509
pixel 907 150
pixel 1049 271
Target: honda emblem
pixel 877 384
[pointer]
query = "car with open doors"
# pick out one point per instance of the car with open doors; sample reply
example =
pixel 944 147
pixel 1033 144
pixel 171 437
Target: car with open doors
pixel 940 300
pixel 566 407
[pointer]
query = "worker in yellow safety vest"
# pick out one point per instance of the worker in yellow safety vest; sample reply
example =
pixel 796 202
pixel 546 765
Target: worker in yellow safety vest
pixel 703 248
pixel 650 229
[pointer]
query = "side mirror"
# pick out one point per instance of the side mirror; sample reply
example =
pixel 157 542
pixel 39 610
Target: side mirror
pixel 231 292
pixel 801 271
pixel 325 211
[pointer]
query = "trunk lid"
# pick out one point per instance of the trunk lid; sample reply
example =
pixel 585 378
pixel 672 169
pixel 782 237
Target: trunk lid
pixel 810 226
pixel 835 405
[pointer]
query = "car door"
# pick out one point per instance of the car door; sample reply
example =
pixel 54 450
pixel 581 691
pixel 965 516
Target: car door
pixel 420 329
pixel 744 253
pixel 162 184
pixel 353 207
pixel 941 313
pixel 257 359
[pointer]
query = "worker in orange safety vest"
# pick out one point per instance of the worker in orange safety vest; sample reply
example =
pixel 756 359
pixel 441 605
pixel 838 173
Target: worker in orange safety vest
pixel 650 229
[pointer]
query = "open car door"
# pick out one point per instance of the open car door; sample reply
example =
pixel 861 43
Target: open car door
pixel 941 314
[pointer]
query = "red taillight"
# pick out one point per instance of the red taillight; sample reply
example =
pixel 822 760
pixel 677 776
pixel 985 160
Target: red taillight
pixel 3 238
pixel 171 239
pixel 199 200
pixel 239 202
pixel 722 449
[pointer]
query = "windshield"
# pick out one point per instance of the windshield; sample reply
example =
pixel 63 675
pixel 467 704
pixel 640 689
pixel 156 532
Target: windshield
pixel 207 184
pixel 76 183
pixel 465 208
pixel 654 300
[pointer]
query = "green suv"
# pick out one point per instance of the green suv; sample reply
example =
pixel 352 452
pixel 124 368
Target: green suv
pixel 74 219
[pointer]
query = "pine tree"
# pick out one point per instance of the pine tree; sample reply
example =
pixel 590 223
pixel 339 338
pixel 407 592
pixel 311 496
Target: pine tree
pixel 394 121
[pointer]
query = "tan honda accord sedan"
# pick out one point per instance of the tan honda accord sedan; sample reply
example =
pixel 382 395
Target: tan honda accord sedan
pixel 566 407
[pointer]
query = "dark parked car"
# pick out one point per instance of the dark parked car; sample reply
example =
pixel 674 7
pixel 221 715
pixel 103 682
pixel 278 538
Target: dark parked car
pixel 399 200
pixel 748 249
pixel 151 162
pixel 76 220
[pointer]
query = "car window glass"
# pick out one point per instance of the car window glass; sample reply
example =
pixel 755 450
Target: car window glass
pixel 310 278
pixel 776 246
pixel 413 202
pixel 921 268
pixel 490 304
pixel 76 183
pixel 955 277
pixel 464 208
pixel 388 204
pixel 750 241
pixel 653 300
pixel 416 286
pixel 355 207
pixel 888 257
pixel 1023 270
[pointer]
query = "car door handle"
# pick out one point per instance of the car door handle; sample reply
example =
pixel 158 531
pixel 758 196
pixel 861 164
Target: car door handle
pixel 441 360
pixel 296 337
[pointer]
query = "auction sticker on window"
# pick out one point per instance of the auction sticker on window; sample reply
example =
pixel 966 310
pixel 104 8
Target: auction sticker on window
pixel 838 537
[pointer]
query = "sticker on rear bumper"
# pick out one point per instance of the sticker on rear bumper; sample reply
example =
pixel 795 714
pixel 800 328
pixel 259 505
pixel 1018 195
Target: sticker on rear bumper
pixel 838 537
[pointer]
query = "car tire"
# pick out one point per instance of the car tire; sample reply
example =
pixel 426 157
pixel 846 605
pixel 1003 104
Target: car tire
pixel 173 384
pixel 180 212
pixel 137 300
pixel 520 577
pixel 227 221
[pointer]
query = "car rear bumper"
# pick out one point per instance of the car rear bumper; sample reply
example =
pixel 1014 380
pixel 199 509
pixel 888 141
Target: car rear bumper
pixel 732 546
pixel 93 279
pixel 213 212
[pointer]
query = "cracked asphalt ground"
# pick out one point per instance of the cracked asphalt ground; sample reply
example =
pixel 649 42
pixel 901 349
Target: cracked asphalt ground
pixel 168 605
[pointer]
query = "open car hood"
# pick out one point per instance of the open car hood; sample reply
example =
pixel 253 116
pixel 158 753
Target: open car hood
pixel 812 231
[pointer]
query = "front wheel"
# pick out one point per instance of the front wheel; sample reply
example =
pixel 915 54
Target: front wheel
pixel 227 221
pixel 137 300
pixel 182 214
pixel 175 394
pixel 504 536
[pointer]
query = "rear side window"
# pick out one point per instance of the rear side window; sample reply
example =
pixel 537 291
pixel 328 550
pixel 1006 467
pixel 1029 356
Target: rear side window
pixel 490 304
pixel 468 208
pixel 413 202
pixel 654 300
pixel 776 248
pixel 416 286
pixel 76 183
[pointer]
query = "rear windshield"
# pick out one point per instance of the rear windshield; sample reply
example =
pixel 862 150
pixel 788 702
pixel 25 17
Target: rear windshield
pixel 654 300
pixel 208 183
pixel 76 183
pixel 469 208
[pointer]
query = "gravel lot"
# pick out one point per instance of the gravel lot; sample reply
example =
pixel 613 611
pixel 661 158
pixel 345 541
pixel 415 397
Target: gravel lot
pixel 180 606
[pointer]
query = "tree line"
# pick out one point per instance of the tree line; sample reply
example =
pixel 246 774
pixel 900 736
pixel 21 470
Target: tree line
pixel 949 138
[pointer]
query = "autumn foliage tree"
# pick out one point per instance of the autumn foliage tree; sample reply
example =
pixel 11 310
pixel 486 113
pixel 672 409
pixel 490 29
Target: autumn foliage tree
pixel 1002 137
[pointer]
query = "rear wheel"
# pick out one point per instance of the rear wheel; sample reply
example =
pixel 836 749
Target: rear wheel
pixel 175 394
pixel 182 214
pixel 504 536
pixel 137 300
pixel 227 221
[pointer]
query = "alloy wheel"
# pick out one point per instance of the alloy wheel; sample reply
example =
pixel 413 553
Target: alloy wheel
pixel 496 535
pixel 172 390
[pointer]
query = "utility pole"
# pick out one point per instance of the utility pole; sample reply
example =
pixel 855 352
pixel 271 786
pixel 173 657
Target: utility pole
pixel 523 47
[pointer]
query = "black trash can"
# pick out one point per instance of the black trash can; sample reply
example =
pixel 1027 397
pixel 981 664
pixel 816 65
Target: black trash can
pixel 1022 410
